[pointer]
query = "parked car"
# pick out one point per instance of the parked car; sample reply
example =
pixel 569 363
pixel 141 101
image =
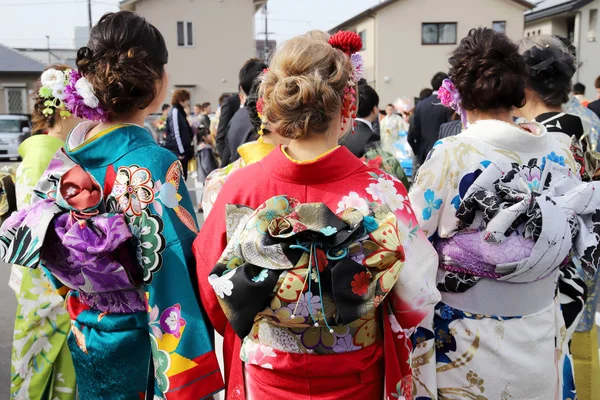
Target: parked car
pixel 14 129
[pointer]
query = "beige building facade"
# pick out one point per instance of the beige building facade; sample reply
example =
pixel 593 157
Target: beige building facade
pixel 576 20
pixel 208 42
pixel 405 42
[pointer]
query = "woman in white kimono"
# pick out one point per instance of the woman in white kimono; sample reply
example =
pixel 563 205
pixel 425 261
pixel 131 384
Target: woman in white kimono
pixel 508 214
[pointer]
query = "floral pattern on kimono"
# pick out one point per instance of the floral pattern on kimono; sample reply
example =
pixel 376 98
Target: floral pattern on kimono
pixel 127 290
pixel 341 184
pixel 45 362
pixel 472 192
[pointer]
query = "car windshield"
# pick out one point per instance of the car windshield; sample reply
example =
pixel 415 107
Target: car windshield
pixel 10 125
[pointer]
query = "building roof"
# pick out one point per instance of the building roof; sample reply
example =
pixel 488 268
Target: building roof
pixel 371 11
pixel 13 61
pixel 130 4
pixel 549 8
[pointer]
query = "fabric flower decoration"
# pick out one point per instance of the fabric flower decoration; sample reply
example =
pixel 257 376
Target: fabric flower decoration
pixel 52 90
pixel 81 100
pixel 53 78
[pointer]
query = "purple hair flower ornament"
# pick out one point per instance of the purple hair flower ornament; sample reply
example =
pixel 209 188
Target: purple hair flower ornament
pixel 358 66
pixel 450 97
pixel 81 100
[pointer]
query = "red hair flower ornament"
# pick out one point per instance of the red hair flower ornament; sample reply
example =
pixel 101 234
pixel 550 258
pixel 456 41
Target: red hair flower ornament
pixel 350 43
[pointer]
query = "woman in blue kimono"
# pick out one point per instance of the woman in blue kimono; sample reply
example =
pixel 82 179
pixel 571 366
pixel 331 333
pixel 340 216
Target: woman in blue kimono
pixel 113 221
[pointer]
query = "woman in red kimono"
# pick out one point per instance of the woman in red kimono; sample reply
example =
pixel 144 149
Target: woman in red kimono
pixel 312 265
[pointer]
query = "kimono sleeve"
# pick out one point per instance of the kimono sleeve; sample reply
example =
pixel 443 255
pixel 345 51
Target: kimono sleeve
pixel 415 292
pixel 185 364
pixel 434 195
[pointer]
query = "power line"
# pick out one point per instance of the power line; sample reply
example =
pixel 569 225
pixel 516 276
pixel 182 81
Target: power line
pixel 40 4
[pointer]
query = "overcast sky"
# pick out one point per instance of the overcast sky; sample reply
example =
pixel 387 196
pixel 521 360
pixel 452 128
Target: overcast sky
pixel 25 23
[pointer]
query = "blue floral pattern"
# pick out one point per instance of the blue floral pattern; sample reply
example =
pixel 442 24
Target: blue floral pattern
pixel 431 204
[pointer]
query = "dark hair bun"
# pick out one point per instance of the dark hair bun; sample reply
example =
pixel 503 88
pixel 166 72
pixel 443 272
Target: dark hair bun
pixel 124 62
pixel 550 71
pixel 488 71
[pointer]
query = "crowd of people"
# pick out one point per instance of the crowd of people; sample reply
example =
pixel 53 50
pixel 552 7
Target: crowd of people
pixel 327 278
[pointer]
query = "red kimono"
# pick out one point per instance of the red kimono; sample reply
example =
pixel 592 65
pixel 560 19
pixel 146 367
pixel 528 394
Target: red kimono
pixel 355 367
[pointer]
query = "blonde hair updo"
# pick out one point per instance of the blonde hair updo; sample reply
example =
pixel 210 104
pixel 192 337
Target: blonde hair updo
pixel 304 88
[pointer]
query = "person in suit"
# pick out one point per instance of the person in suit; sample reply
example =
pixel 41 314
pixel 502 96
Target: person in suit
pixel 241 129
pixel 595 105
pixel 229 107
pixel 363 137
pixel 451 128
pixel 429 116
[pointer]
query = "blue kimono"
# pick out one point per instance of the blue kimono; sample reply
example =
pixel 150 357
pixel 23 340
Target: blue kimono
pixel 133 301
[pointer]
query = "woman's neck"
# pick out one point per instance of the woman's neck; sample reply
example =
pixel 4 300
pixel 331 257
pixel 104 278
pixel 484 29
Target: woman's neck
pixel 137 119
pixel 499 115
pixel 311 147
pixel 63 127
pixel 533 108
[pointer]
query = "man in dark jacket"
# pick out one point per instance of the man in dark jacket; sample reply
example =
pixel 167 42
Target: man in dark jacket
pixel 179 132
pixel 429 116
pixel 363 137
pixel 240 128
pixel 228 109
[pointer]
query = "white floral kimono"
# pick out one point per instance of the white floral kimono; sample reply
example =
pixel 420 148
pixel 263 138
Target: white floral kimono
pixel 499 332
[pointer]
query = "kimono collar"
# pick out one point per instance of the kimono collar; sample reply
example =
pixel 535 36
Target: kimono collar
pixel 531 136
pixel 50 143
pixel 252 152
pixel 107 146
pixel 333 166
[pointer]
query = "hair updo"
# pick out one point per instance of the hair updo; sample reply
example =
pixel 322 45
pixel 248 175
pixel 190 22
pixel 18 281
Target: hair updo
pixel 304 88
pixel 39 121
pixel 488 71
pixel 123 61
pixel 550 67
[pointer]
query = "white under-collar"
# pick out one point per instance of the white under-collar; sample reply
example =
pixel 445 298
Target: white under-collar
pixel 368 123
pixel 508 136
pixel 77 135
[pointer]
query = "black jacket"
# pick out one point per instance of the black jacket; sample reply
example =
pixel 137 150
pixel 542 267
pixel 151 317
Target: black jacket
pixel 361 140
pixel 425 127
pixel 179 133
pixel 595 107
pixel 228 110
pixel 240 131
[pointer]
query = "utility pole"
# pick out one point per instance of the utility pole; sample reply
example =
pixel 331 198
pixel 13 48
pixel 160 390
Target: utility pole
pixel 266 32
pixel 49 55
pixel 90 14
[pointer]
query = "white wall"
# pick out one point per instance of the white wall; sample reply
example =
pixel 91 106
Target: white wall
pixel 589 52
pixel 223 36
pixel 539 28
pixel 407 63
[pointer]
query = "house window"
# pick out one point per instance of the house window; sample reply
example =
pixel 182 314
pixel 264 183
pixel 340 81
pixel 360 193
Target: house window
pixel 592 25
pixel 185 34
pixel 15 100
pixel 438 33
pixel 363 38
pixel 499 26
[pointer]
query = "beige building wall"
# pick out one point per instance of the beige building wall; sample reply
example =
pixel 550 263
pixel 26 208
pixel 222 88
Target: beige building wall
pixel 404 65
pixel 589 51
pixel 25 82
pixel 543 27
pixel 368 27
pixel 223 41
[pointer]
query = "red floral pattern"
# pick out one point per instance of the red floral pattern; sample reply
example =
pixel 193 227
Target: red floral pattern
pixel 360 284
